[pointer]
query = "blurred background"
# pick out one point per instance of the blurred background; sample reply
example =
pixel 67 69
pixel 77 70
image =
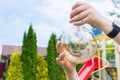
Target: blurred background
pixel 46 16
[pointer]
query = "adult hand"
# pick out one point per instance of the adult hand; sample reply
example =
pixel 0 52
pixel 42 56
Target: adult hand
pixel 84 13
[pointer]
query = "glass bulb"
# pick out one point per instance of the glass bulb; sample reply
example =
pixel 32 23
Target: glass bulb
pixel 79 44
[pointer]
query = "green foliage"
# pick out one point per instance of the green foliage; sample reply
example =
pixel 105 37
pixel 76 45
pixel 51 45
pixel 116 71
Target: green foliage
pixel 42 69
pixel 53 67
pixel 110 53
pixel 78 67
pixel 15 68
pixel 29 55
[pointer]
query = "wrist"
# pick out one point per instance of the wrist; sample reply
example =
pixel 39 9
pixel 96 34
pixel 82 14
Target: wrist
pixel 69 68
pixel 71 75
pixel 106 26
pixel 116 29
pixel 69 71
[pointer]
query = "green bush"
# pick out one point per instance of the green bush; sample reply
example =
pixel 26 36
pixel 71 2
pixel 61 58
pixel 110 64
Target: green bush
pixel 14 71
pixel 42 69
pixel 110 53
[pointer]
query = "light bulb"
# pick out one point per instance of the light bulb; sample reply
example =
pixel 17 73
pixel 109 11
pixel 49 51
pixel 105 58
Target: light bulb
pixel 79 44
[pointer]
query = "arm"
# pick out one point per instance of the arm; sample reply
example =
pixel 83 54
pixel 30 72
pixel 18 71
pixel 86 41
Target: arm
pixel 71 75
pixel 69 67
pixel 84 13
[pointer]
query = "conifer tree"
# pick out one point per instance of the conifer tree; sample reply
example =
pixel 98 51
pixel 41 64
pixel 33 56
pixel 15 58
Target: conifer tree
pixel 42 69
pixel 15 68
pixel 29 55
pixel 53 67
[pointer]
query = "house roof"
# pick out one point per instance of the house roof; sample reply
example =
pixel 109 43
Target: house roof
pixel 7 50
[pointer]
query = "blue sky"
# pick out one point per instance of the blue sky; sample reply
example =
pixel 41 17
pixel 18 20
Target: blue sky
pixel 46 16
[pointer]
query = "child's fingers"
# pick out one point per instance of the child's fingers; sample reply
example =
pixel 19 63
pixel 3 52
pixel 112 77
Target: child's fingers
pixel 58 47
